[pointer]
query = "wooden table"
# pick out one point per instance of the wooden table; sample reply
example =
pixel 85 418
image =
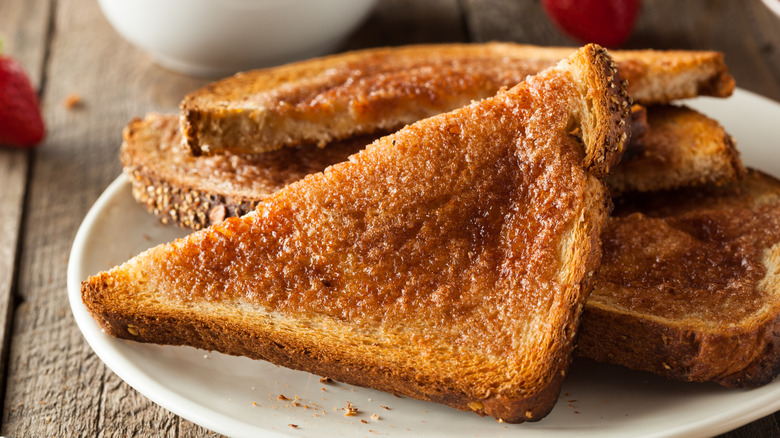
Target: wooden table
pixel 52 384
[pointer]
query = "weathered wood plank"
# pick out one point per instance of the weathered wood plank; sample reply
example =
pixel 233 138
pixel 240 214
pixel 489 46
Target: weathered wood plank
pixel 518 21
pixel 397 22
pixel 57 386
pixel 24 28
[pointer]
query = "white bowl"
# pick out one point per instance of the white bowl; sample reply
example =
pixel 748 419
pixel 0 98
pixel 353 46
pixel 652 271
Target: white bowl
pixel 774 5
pixel 219 37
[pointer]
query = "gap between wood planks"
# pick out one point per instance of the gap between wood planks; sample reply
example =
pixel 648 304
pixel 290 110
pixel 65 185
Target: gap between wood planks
pixel 14 297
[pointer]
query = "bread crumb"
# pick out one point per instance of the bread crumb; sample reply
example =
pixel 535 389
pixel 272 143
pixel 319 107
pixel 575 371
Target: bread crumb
pixel 325 380
pixel 254 403
pixel 294 426
pixel 384 407
pixel 364 421
pixel 350 410
pixel 282 397
pixel 296 404
pixel 375 417
pixel 72 101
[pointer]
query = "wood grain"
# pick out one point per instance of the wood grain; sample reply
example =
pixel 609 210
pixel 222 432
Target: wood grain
pixel 56 384
pixel 397 22
pixel 24 29
pixel 517 21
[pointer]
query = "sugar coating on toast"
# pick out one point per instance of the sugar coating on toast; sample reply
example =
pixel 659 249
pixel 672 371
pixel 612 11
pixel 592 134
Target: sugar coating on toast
pixel 195 192
pixel 335 97
pixel 448 262
pixel 688 286
pixel 681 147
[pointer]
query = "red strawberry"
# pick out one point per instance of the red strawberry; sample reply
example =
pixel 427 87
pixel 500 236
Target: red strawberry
pixel 606 22
pixel 21 124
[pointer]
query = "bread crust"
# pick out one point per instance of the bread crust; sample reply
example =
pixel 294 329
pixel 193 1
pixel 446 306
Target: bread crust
pixel 448 261
pixel 335 97
pixel 197 192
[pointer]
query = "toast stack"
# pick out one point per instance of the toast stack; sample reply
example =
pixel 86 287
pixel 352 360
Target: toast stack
pixel 682 148
pixel 391 265
pixel 448 261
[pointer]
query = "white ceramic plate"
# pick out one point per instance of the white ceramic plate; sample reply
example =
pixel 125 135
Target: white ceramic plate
pixel 240 397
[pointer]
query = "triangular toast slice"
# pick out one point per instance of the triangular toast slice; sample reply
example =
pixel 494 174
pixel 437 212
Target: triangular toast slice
pixel 335 97
pixel 447 262
pixel 689 285
pixel 682 147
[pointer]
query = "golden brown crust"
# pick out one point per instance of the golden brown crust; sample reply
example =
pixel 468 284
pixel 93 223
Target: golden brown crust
pixel 195 192
pixel 429 262
pixel 338 96
pixel 688 286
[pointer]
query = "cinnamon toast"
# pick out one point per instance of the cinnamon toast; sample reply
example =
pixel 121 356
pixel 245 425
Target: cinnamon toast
pixel 688 287
pixel 336 97
pixel 447 262
pixel 195 192
pixel 682 147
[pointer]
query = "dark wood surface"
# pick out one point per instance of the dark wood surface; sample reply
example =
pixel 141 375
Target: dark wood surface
pixel 51 383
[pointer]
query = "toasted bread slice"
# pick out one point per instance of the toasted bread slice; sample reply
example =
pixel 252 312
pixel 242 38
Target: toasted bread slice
pixel 336 97
pixel 447 262
pixel 681 147
pixel 689 285
pixel 196 192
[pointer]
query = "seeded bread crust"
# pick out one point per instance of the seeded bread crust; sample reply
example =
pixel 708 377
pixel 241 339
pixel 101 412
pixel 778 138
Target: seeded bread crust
pixel 195 192
pixel 288 282
pixel 710 322
pixel 336 97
